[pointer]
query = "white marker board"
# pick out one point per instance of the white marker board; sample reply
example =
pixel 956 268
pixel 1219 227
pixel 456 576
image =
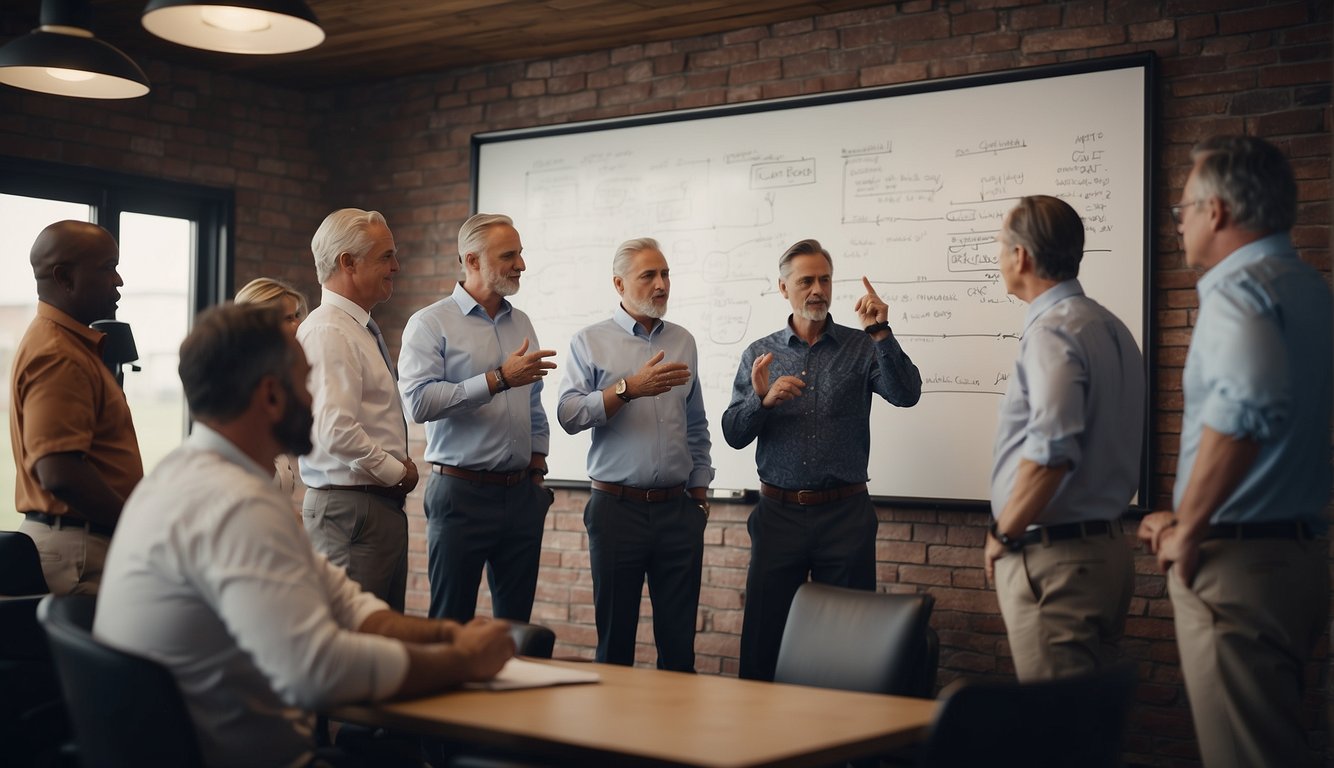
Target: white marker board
pixel 906 185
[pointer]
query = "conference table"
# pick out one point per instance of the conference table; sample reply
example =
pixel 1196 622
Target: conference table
pixel 647 717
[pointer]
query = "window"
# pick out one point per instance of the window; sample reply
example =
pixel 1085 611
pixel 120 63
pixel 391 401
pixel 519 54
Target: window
pixel 174 260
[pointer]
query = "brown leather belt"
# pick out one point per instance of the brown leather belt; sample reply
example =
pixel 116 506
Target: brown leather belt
pixel 811 498
pixel 378 490
pixel 506 479
pixel 650 495
pixel 69 521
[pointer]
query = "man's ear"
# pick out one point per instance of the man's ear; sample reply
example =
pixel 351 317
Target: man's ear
pixel 347 262
pixel 63 276
pixel 618 284
pixel 1219 215
pixel 1025 260
pixel 782 287
pixel 471 261
pixel 270 396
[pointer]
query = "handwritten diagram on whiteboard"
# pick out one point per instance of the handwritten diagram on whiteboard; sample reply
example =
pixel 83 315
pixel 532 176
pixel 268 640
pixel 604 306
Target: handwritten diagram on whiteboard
pixel 908 189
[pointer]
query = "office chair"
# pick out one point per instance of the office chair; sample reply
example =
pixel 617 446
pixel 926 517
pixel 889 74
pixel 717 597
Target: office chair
pixel 126 710
pixel 20 566
pixel 1076 721
pixel 855 640
pixel 532 640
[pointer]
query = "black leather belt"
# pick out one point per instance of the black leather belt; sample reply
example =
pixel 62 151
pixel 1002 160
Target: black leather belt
pixel 506 479
pixel 811 498
pixel 1064 531
pixel 1287 529
pixel 68 521
pixel 649 495
pixel 378 490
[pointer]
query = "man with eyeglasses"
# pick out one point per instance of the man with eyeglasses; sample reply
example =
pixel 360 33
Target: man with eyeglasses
pixel 1245 546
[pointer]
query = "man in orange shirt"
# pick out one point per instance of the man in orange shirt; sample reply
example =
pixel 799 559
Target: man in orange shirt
pixel 74 443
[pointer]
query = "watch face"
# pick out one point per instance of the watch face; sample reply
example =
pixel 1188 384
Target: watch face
pixel 620 387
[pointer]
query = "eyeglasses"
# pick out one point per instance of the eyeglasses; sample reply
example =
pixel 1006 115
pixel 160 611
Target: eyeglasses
pixel 1176 209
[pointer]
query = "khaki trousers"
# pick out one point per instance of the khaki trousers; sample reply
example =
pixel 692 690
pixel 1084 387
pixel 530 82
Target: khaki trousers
pixel 72 557
pixel 366 534
pixel 1246 627
pixel 1064 604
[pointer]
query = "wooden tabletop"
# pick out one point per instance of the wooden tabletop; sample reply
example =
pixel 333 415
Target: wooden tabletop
pixel 645 717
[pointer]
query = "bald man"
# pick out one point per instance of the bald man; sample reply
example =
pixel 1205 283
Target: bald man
pixel 74 443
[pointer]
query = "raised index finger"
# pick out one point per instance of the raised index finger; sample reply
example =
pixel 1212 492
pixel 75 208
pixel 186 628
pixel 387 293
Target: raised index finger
pixel 869 288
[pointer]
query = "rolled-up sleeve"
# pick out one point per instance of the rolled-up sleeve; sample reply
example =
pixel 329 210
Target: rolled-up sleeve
pixel 1245 370
pixel 1057 380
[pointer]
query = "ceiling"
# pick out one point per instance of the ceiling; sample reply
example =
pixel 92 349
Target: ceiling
pixel 369 40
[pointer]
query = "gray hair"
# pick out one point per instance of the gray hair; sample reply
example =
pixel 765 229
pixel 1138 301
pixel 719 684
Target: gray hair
pixel 344 231
pixel 1252 177
pixel 472 235
pixel 1052 232
pixel 808 247
pixel 625 253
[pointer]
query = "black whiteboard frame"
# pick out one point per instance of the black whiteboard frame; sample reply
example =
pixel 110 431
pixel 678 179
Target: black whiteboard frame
pixel 1146 62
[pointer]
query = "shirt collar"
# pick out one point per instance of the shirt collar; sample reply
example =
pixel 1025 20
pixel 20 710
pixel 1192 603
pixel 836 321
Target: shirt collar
pixel 827 334
pixel 1248 254
pixel 467 304
pixel 631 325
pixel 91 338
pixel 204 439
pixel 1051 297
pixel 328 296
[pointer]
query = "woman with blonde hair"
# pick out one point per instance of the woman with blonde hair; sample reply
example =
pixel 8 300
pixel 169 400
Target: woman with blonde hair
pixel 265 290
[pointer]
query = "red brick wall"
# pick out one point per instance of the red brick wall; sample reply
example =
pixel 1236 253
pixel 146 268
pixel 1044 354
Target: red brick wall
pixel 402 147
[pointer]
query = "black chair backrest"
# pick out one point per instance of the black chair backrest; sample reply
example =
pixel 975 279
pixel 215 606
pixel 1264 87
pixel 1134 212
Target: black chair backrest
pixel 20 565
pixel 532 640
pixel 1075 721
pixel 126 710
pixel 857 640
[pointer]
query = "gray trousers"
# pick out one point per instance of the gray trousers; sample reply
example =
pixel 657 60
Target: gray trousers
pixel 366 534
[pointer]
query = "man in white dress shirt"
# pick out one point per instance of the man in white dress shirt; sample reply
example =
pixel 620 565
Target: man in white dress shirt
pixel 210 576
pixel 358 471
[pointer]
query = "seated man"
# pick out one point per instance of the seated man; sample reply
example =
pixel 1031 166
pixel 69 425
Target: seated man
pixel 211 575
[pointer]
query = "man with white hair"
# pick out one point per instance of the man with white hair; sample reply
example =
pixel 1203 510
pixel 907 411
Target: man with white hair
pixel 632 380
pixel 472 372
pixel 358 472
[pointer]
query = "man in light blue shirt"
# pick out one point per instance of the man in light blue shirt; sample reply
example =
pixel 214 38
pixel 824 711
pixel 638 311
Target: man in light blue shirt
pixel 471 370
pixel 1067 457
pixel 1245 551
pixel 633 380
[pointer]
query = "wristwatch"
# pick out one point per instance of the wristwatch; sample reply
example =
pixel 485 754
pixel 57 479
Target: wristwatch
pixel 621 392
pixel 876 327
pixel 1014 545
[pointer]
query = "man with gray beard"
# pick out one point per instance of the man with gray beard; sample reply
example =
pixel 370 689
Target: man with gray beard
pixel 803 394
pixel 632 379
pixel 471 370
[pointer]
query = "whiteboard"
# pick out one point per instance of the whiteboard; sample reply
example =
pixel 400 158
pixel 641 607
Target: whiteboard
pixel 905 185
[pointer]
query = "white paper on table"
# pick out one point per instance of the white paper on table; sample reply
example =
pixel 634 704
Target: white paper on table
pixel 518 673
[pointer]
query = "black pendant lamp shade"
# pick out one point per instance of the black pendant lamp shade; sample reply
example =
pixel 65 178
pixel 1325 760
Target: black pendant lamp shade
pixel 235 26
pixel 62 57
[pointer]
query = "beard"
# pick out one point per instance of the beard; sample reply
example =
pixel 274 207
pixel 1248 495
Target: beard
pixel 646 307
pixel 501 284
pixel 293 431
pixel 816 312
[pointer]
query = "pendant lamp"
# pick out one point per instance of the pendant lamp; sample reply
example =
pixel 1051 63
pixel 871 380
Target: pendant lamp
pixel 62 57
pixel 235 26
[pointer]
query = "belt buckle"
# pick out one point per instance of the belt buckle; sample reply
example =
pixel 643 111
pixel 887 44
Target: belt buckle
pixel 807 497
pixel 654 495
